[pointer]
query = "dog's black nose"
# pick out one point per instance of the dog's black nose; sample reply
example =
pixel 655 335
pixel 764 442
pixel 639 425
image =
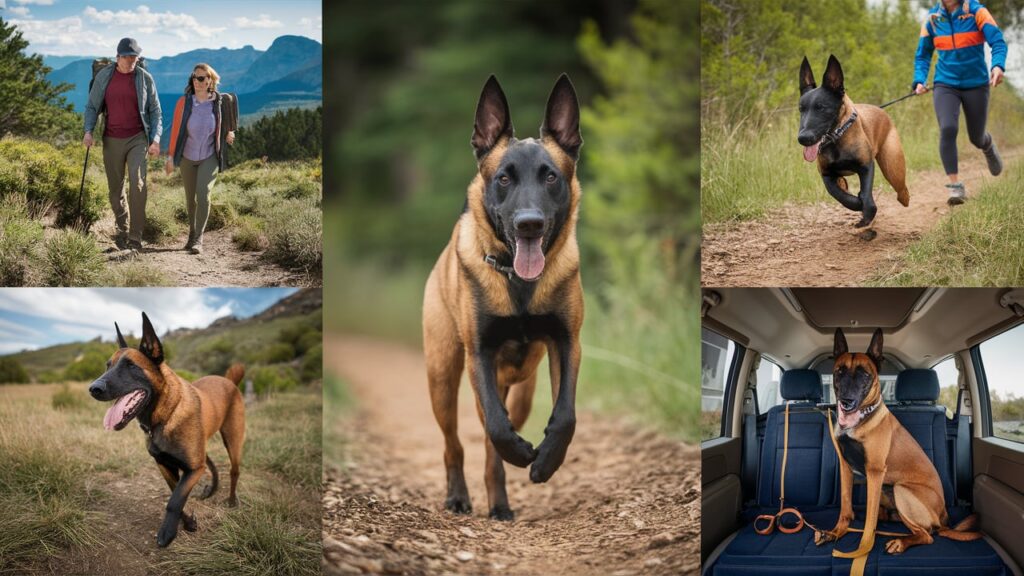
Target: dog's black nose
pixel 528 223
pixel 96 390
pixel 805 139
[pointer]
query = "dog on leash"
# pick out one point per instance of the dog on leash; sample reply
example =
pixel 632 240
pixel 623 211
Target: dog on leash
pixel 847 139
pixel 505 290
pixel 902 483
pixel 178 418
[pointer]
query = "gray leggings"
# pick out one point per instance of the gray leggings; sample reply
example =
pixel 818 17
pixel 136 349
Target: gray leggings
pixel 948 101
pixel 199 178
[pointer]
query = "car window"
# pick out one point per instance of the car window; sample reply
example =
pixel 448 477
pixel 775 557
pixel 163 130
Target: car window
pixel 1001 361
pixel 768 376
pixel 716 355
pixel 949 378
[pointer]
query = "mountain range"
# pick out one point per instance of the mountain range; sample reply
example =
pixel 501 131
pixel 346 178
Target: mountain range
pixel 287 74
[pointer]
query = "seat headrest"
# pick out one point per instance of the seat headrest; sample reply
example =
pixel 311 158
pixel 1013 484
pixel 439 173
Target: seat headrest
pixel 801 385
pixel 917 385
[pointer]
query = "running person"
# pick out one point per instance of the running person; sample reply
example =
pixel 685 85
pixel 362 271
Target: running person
pixel 959 29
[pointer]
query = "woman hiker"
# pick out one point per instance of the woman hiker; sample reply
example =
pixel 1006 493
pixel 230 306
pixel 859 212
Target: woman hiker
pixel 204 120
pixel 959 29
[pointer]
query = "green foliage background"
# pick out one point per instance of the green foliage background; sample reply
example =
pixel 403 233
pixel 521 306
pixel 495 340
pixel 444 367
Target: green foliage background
pixel 400 163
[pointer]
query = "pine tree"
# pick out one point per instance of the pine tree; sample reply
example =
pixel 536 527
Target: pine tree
pixel 31 105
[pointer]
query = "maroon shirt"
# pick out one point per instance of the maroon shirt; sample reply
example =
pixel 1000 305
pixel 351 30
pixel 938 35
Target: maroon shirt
pixel 122 102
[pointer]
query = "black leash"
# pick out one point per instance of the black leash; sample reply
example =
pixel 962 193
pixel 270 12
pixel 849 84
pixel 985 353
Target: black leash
pixel 902 98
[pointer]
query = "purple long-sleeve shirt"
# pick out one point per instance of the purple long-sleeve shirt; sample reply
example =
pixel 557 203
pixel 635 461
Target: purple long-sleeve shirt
pixel 201 126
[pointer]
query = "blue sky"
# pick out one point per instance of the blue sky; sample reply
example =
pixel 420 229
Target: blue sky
pixel 93 28
pixel 33 318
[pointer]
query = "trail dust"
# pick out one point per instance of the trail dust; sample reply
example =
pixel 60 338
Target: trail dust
pixel 626 501
pixel 817 244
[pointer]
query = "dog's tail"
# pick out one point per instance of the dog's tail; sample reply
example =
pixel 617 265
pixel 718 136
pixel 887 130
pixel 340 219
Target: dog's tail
pixel 212 487
pixel 235 373
pixel 962 532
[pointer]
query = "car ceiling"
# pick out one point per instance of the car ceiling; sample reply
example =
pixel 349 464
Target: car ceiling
pixel 921 326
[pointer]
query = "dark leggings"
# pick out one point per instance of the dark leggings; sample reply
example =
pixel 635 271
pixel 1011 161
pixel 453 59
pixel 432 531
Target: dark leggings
pixel 947 109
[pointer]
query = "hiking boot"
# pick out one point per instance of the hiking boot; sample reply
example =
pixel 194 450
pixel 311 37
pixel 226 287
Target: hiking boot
pixel 121 241
pixel 191 242
pixel 135 245
pixel 196 248
pixel 957 194
pixel 995 163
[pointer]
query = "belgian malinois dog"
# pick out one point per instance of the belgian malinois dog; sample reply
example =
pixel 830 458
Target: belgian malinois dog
pixel 177 417
pixel 505 290
pixel 902 483
pixel 846 139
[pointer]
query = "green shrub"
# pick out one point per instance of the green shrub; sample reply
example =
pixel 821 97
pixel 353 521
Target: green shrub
pixel 72 259
pixel 268 379
pixel 50 377
pixel 313 364
pixel 66 398
pixel 302 189
pixel 308 341
pixel 222 215
pixel 49 178
pixel 133 273
pixel 12 372
pixel 275 353
pixel 249 236
pixel 215 356
pixel 87 368
pixel 296 235
pixel 19 238
pixel 162 220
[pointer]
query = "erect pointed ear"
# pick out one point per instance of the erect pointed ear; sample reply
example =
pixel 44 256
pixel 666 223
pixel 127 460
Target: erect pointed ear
pixel 875 348
pixel 562 117
pixel 806 77
pixel 833 78
pixel 150 345
pixel 120 339
pixel 839 348
pixel 493 119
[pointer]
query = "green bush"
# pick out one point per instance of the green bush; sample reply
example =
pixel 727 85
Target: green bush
pixel 308 341
pixel 295 233
pixel 162 218
pixel 302 189
pixel 72 259
pixel 249 236
pixel 215 356
pixel 269 379
pixel 66 398
pixel 50 377
pixel 48 178
pixel 222 215
pixel 12 372
pixel 275 353
pixel 19 239
pixel 87 368
pixel 313 364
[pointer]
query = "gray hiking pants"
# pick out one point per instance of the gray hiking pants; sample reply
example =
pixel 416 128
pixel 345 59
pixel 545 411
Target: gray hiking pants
pixel 120 154
pixel 948 102
pixel 199 178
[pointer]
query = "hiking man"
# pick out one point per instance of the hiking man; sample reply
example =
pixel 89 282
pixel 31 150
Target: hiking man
pixel 127 93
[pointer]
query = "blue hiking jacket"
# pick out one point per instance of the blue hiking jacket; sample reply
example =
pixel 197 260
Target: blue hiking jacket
pixel 960 38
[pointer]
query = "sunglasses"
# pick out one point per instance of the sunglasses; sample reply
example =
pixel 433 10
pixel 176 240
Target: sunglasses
pixel 200 78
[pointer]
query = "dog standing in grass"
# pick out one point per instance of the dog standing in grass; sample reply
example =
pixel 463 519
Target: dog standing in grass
pixel 846 139
pixel 177 417
pixel 505 290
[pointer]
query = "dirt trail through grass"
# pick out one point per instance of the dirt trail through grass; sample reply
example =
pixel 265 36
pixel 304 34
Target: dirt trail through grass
pixel 220 264
pixel 626 501
pixel 817 245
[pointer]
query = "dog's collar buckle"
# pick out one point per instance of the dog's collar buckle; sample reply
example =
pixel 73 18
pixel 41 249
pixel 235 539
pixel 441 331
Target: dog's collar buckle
pixel 492 261
pixel 833 136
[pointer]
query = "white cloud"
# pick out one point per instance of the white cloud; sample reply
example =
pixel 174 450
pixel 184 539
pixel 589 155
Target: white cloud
pixel 314 27
pixel 65 36
pixel 87 313
pixel 8 347
pixel 264 21
pixel 35 2
pixel 143 20
pixel 17 11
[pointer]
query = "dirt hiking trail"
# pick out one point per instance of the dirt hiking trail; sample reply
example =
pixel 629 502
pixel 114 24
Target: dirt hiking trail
pixel 817 245
pixel 625 501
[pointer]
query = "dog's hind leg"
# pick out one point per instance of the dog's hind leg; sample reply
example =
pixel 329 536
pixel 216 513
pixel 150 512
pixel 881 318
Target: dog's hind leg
pixel 916 508
pixel 212 486
pixel 520 401
pixel 894 166
pixel 232 432
pixel 444 373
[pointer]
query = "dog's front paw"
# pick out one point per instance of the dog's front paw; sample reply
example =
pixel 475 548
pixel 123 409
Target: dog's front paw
pixel 206 493
pixel 232 502
pixel 189 522
pixel 503 513
pixel 512 448
pixel 458 504
pixel 552 450
pixel 823 537
pixel 895 546
pixel 168 532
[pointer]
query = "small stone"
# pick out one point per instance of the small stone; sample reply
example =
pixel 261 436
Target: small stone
pixel 652 562
pixel 464 556
pixel 467 531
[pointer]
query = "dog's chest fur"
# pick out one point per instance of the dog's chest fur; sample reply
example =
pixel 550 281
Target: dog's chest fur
pixel 853 451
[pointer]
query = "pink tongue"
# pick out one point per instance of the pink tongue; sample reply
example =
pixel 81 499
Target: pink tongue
pixel 811 152
pixel 848 419
pixel 116 412
pixel 529 262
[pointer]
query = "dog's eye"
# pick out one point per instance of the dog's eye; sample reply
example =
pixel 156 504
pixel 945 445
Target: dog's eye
pixel 551 178
pixel 504 180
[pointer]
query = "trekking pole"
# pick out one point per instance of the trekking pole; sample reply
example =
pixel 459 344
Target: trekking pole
pixel 81 187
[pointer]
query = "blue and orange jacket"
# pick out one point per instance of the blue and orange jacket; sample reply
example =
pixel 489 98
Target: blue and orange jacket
pixel 960 39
